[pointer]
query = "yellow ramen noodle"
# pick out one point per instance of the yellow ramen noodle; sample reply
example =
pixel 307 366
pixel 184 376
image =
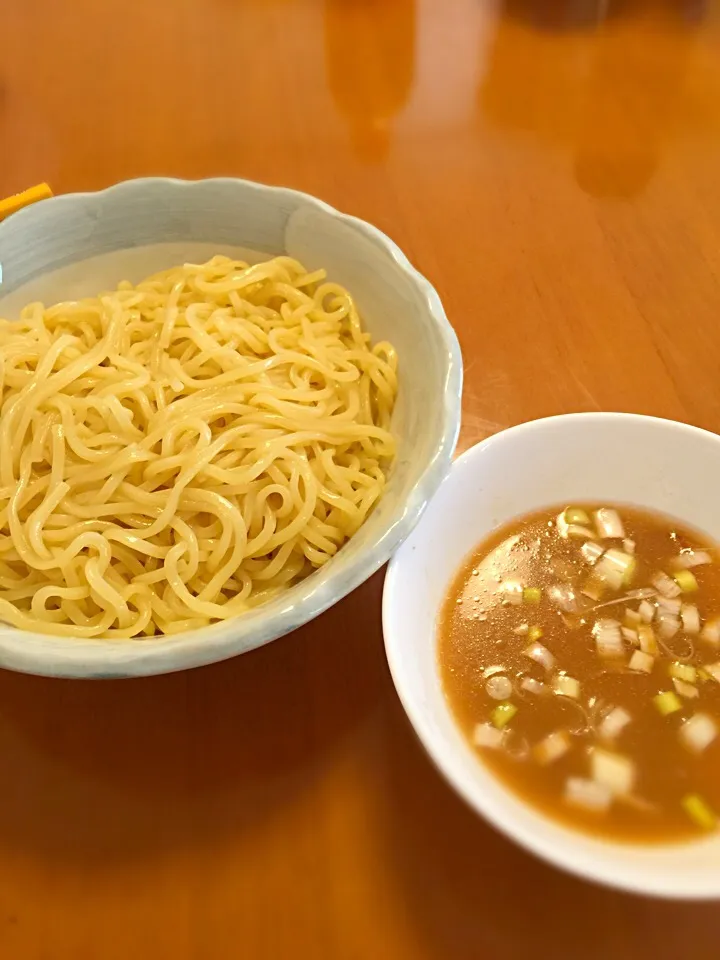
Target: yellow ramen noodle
pixel 174 452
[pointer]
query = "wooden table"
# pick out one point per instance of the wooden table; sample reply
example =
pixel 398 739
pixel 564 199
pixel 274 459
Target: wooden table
pixel 557 176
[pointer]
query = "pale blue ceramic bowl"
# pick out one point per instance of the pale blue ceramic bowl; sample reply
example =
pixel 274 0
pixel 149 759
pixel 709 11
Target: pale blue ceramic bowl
pixel 78 244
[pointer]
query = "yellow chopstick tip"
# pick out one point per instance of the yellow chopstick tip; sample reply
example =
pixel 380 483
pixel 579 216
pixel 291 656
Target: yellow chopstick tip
pixel 12 204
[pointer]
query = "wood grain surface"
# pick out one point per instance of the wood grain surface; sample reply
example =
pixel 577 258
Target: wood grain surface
pixel 553 167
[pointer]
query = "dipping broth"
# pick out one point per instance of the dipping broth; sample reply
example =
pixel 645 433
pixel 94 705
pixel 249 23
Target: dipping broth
pixel 578 650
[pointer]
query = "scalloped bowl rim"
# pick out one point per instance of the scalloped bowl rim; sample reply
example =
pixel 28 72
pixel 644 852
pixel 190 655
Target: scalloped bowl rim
pixel 48 655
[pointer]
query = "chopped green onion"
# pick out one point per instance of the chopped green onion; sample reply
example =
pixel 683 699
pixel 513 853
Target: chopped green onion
pixel 532 595
pixel 648 643
pixel 503 714
pixel 685 579
pixel 534 633
pixel 698 811
pixel 667 702
pixel 683 671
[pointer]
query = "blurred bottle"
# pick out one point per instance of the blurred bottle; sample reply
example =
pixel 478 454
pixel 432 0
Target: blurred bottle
pixel 370 57
pixel 559 14
pixel 634 95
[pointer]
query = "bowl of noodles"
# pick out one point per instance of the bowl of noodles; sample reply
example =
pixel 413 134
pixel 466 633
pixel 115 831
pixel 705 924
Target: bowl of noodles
pixel 223 406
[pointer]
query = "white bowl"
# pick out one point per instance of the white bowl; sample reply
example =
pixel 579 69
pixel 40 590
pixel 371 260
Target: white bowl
pixel 604 457
pixel 79 244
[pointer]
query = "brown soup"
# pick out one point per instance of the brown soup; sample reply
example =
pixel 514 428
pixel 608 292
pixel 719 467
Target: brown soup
pixel 578 648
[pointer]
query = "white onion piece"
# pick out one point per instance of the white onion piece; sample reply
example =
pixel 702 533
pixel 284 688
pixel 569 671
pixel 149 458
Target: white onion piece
pixel 638 803
pixel 685 689
pixel 541 655
pixel 486 735
pixel 499 688
pixel 565 686
pixel 521 630
pixel 666 585
pixel 698 732
pixel 613 771
pixel 668 625
pixel 592 551
pixel 629 546
pixel 608 523
pixel 566 530
pixel 632 617
pixel 692 558
pixel 631 636
pixel 641 662
pixel 609 572
pixel 644 593
pixel 553 747
pixel 710 632
pixel 587 794
pixel 563 596
pixel 533 686
pixel 491 671
pixel 608 638
pixel 713 669
pixel 614 723
pixel 646 611
pixel 513 592
pixel 690 618
pixel 669 605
